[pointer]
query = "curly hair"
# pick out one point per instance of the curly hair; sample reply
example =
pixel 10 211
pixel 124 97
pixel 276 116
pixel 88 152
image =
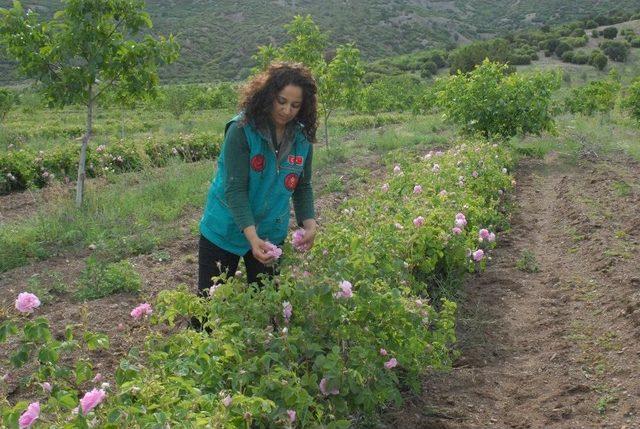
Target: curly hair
pixel 258 94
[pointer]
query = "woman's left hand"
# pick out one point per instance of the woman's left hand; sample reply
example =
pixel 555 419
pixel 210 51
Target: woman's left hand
pixel 310 228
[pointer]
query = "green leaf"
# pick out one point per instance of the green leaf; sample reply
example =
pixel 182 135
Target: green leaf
pixel 48 355
pixel 6 329
pixel 96 340
pixel 83 371
pixel 21 356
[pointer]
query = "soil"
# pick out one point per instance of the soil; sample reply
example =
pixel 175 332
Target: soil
pixel 554 346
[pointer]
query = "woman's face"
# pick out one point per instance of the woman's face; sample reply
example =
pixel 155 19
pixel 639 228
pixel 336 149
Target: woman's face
pixel 286 105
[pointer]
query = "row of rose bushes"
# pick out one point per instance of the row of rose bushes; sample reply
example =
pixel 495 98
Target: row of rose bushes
pixel 25 168
pixel 335 338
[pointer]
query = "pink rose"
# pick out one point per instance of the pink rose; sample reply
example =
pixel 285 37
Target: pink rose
pixel 227 401
pixel 478 255
pixel 296 241
pixel 91 399
pixel 383 352
pixel 345 290
pixel 274 251
pixel 483 234
pixel 474 174
pixel 456 230
pixel 97 378
pixel 443 193
pixel 323 388
pixel 46 386
pixel 491 237
pixel 419 221
pixel 141 311
pixel 417 189
pixel 29 417
pixel 397 169
pixel 27 302
pixel 385 187
pixel 292 415
pixel 391 363
pixel 435 168
pixel 287 310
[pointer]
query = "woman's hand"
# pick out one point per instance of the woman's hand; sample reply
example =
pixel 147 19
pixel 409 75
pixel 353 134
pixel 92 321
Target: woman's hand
pixel 259 247
pixel 310 228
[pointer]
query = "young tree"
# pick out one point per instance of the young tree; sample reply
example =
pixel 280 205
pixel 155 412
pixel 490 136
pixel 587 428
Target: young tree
pixel 339 83
pixel 84 52
pixel 631 103
pixel 494 103
pixel 7 99
pixel 596 96
pixel 610 32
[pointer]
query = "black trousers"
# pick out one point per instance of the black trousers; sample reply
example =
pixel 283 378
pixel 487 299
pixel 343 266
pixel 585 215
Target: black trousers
pixel 213 261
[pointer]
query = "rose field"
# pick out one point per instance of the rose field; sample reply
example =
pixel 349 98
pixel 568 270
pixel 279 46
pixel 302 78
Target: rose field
pixel 476 262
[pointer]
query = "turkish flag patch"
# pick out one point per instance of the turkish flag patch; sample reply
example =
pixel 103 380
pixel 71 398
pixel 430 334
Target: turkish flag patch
pixel 257 163
pixel 291 159
pixel 299 160
pixel 291 181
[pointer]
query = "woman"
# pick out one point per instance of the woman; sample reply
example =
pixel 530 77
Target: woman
pixel 265 162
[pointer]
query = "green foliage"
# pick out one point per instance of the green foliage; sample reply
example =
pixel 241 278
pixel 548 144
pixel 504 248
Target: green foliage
pixel 100 279
pixel 496 104
pixel 616 50
pixel 610 33
pixel 527 262
pixel 7 100
pixel 306 43
pixel 465 58
pixel 631 102
pixel 596 96
pixel 598 59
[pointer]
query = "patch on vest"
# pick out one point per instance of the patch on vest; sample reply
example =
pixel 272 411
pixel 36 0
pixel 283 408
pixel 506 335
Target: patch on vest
pixel 257 163
pixel 291 181
pixel 293 160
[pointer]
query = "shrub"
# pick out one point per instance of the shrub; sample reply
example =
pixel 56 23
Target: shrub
pixel 631 102
pixel 598 60
pixel 616 50
pixel 610 32
pixel 100 279
pixel 596 96
pixel 493 103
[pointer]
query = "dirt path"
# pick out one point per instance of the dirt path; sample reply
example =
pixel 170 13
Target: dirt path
pixel 555 348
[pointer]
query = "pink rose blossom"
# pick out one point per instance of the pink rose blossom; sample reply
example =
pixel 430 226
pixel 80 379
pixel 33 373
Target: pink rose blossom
pixel 287 310
pixel 460 223
pixel 478 255
pixel 435 168
pixel 97 378
pixel 397 169
pixel 475 173
pixel 274 251
pixel 417 189
pixel 296 241
pixel 483 234
pixel 227 401
pixel 46 386
pixel 27 302
pixel 419 221
pixel 391 363
pixel 460 216
pixel 443 193
pixel 29 417
pixel 91 399
pixel 456 230
pixel 398 226
pixel 323 388
pixel 385 187
pixel 325 252
pixel 141 311
pixel 292 415
pixel 491 238
pixel 383 352
pixel 345 290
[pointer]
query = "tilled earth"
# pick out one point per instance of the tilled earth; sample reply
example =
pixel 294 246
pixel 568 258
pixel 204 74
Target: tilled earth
pixel 549 333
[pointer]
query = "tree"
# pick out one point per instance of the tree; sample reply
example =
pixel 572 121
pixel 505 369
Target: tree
pixel 610 32
pixel 339 84
pixel 494 103
pixel 83 53
pixel 339 79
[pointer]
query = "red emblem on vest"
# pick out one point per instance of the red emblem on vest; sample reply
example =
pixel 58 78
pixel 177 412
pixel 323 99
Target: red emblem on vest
pixel 299 160
pixel 257 163
pixel 291 159
pixel 291 181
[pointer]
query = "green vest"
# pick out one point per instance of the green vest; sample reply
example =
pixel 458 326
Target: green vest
pixel 270 189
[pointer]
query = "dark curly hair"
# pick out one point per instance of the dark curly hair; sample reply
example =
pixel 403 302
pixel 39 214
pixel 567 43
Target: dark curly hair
pixel 258 94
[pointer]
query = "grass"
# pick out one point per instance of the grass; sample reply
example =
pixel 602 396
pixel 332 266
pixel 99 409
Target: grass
pixel 527 262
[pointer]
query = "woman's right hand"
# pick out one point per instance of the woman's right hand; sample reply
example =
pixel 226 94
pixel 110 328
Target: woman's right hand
pixel 260 251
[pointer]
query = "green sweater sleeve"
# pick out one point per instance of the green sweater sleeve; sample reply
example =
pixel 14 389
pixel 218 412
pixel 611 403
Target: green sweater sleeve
pixel 236 158
pixel 303 194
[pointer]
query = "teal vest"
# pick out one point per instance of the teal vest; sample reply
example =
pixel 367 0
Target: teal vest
pixel 270 188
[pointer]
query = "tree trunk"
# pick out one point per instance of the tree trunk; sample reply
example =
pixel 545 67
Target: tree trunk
pixel 82 174
pixel 326 128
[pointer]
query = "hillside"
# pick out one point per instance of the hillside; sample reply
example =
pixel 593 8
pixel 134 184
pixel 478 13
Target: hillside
pixel 219 37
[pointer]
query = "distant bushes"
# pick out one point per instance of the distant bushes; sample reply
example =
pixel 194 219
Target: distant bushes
pixel 24 168
pixel 594 97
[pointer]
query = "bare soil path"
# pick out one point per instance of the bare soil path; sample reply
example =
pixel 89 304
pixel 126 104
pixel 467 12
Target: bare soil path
pixel 555 345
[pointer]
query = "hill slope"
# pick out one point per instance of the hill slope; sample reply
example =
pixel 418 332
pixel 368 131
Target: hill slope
pixel 219 37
